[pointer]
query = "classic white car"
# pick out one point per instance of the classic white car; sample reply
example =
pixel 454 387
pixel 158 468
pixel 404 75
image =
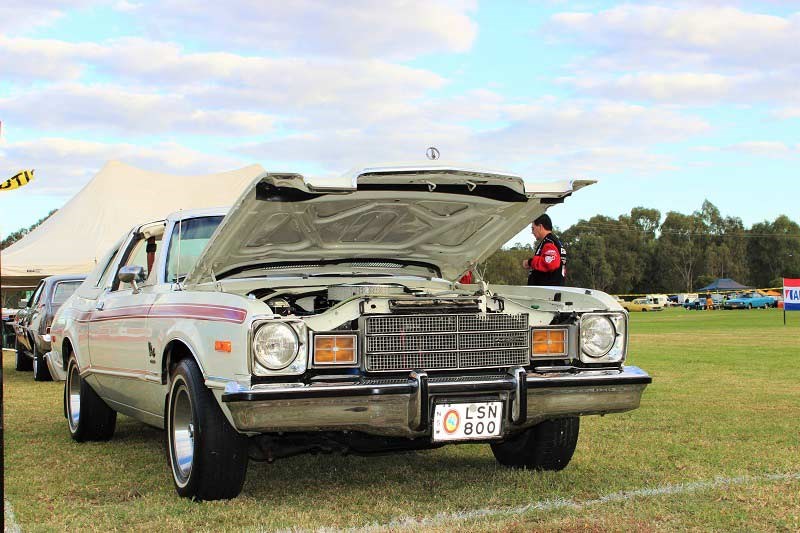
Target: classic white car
pixel 320 318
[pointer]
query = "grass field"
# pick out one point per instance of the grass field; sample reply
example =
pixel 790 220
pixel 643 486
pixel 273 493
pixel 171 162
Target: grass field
pixel 715 446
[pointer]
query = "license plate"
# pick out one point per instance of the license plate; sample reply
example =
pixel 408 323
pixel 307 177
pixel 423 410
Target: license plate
pixel 467 421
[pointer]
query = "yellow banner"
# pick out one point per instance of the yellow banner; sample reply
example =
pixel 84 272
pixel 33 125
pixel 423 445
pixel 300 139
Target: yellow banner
pixel 16 181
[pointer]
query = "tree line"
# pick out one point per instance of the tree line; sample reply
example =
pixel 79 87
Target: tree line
pixel 20 233
pixel 639 252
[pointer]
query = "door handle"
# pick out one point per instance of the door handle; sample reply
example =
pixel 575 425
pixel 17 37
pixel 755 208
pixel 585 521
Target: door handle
pixel 100 306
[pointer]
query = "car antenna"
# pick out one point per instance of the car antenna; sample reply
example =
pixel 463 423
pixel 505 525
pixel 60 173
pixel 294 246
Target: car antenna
pixel 180 237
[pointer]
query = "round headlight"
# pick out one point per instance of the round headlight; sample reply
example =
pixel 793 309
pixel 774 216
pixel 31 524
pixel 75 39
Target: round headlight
pixel 597 335
pixel 275 345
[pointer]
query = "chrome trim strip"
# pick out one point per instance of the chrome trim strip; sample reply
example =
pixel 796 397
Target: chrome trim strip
pixel 124 373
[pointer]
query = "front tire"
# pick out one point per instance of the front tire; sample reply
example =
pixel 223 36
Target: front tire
pixel 207 457
pixel 89 418
pixel 23 362
pixel 40 370
pixel 548 445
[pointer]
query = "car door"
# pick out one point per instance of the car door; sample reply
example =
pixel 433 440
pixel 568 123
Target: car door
pixel 24 334
pixel 119 339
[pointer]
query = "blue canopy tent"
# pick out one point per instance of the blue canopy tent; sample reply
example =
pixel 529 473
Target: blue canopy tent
pixel 724 284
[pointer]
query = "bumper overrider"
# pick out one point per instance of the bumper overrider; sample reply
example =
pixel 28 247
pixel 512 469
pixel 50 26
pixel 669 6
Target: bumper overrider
pixel 404 407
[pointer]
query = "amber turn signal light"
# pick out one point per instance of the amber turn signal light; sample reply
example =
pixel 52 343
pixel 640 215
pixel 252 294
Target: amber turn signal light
pixel 222 346
pixel 334 349
pixel 549 342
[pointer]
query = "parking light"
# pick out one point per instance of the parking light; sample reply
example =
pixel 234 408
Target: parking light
pixel 334 349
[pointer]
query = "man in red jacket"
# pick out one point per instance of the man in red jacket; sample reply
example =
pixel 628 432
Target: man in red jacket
pixel 548 266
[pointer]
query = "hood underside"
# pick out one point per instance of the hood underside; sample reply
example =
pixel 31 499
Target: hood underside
pixel 441 218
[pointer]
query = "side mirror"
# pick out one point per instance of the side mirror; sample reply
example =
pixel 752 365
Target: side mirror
pixel 23 303
pixel 131 274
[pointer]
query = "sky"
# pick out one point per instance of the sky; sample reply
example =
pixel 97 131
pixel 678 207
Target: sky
pixel 664 103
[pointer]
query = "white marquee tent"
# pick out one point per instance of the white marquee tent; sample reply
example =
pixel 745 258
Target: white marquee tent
pixel 117 198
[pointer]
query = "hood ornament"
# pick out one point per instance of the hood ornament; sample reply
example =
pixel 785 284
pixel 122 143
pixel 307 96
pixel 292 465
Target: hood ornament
pixel 432 153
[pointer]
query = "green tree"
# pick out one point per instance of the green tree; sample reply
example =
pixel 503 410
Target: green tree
pixel 679 251
pixel 592 268
pixel 504 267
pixel 773 251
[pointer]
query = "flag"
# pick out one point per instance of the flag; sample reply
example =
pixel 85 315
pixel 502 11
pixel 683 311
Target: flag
pixel 17 180
pixel 791 294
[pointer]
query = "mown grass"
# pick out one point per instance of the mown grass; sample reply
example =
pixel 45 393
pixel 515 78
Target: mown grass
pixel 725 403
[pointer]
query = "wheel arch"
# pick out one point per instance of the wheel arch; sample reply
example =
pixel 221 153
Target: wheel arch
pixel 176 350
pixel 66 351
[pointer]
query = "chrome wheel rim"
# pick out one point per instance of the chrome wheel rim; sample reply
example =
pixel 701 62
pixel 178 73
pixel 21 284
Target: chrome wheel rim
pixel 182 429
pixel 74 393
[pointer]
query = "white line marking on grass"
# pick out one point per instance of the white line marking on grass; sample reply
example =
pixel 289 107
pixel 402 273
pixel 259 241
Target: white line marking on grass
pixel 562 503
pixel 11 522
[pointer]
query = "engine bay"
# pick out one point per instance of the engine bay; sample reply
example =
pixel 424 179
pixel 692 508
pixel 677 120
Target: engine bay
pixel 309 301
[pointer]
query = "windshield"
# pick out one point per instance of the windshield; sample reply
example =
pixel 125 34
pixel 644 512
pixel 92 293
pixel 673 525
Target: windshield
pixel 188 240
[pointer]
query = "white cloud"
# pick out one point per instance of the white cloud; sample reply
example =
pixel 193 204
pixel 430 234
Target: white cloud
pixel 686 87
pixel 102 108
pixel 787 113
pixel 636 35
pixel 613 160
pixel 757 148
pixel 349 28
pixel 530 134
pixel 23 60
pixel 63 166
pixel 694 88
pixel 687 53
pixel 765 148
pixel 20 18
pixel 314 89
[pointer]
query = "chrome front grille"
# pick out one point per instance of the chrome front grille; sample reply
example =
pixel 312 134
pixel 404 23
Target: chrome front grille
pixel 442 342
pixel 411 324
pixel 412 343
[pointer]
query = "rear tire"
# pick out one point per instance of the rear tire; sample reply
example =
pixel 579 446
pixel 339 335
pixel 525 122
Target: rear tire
pixel 89 418
pixel 23 362
pixel 548 445
pixel 207 457
pixel 40 370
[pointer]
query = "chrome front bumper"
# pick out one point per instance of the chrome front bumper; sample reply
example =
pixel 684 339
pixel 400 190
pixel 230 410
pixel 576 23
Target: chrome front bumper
pixel 403 407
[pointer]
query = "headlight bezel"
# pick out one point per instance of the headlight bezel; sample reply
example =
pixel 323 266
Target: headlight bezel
pixel 296 366
pixel 617 353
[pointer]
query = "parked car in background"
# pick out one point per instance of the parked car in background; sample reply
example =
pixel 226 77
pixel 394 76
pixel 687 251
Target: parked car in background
pixel 750 300
pixel 328 318
pixel 642 304
pixel 658 299
pixel 8 317
pixel 695 304
pixel 32 325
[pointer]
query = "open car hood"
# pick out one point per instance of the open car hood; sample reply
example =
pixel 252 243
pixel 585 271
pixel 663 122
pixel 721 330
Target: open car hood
pixel 445 219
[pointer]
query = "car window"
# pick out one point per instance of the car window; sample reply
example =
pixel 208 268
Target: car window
pixel 190 237
pixel 34 299
pixel 101 281
pixel 139 256
pixel 64 290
